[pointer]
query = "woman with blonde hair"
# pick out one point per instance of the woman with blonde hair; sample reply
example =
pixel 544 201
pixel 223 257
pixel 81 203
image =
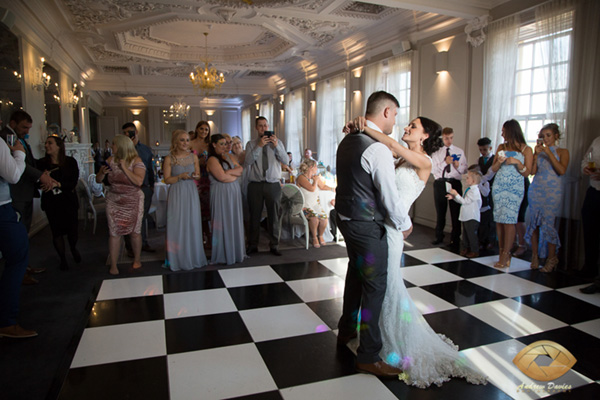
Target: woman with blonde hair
pixel 310 183
pixel 184 221
pixel 124 199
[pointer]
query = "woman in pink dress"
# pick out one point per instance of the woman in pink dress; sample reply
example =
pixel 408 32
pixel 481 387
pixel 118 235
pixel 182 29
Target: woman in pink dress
pixel 124 200
pixel 199 147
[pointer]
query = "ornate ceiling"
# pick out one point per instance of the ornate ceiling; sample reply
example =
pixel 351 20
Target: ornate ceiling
pixel 148 48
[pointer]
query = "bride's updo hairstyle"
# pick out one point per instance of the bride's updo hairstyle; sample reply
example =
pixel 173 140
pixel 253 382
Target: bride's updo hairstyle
pixel 306 165
pixel 434 142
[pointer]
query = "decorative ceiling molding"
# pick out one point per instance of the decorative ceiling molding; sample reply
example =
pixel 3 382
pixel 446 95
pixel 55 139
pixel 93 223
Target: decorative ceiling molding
pixel 115 69
pixel 321 31
pixel 358 9
pixel 238 4
pixel 99 53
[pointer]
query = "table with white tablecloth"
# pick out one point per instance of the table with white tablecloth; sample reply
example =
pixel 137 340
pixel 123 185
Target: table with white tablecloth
pixel 159 203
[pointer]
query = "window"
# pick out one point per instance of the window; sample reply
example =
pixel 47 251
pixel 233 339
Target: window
pixel 294 122
pixel 542 76
pixel 331 117
pixel 246 126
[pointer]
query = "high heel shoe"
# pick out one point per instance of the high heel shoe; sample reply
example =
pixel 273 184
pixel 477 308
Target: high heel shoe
pixel 551 263
pixel 315 243
pixel 535 262
pixel 503 264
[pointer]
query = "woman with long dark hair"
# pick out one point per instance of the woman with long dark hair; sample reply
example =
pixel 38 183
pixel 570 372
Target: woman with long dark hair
pixel 60 202
pixel 200 147
pixel 512 165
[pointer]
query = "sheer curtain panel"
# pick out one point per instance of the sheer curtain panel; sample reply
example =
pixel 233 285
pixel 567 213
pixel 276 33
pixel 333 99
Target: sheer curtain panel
pixel 331 117
pixel 294 124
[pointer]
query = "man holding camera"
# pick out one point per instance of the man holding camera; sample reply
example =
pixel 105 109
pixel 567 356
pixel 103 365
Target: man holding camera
pixel 130 130
pixel 449 164
pixel 264 156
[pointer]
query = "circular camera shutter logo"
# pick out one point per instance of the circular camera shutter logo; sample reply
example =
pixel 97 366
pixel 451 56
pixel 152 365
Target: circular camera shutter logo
pixel 562 360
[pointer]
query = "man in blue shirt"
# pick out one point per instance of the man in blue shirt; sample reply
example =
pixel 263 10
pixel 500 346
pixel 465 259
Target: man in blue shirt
pixel 130 130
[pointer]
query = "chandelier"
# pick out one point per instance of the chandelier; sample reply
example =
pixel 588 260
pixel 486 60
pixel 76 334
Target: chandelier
pixel 206 79
pixel 40 80
pixel 72 98
pixel 177 112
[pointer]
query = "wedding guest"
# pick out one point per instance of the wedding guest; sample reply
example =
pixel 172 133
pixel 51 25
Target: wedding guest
pixel 590 216
pixel 470 206
pixel 59 200
pixel 200 147
pixel 487 229
pixel 310 183
pixel 226 204
pixel 184 223
pixel 512 165
pixel 545 195
pixel 124 199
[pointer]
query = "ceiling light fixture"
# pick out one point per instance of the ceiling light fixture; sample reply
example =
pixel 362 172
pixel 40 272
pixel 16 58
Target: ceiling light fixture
pixel 206 79
pixel 41 80
pixel 177 112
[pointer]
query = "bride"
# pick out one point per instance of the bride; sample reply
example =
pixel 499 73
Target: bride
pixel 409 343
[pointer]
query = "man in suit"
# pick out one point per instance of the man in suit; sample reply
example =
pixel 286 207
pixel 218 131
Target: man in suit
pixel 26 189
pixel 366 194
pixel 129 129
pixel 449 164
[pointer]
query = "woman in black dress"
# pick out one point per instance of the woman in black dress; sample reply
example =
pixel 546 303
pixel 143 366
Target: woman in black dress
pixel 60 201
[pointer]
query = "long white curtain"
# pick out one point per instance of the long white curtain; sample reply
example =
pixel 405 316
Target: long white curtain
pixel 246 126
pixel 374 80
pixel 501 50
pixel 266 110
pixel 294 124
pixel 331 117
pixel 399 86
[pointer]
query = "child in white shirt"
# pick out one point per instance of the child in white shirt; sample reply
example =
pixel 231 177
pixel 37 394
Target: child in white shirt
pixel 470 207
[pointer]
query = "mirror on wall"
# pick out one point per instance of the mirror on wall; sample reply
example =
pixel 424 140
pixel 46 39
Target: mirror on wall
pixel 10 74
pixel 171 124
pixel 52 102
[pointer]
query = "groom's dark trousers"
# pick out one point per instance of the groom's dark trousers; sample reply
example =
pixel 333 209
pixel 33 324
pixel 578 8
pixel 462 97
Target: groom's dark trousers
pixel 366 282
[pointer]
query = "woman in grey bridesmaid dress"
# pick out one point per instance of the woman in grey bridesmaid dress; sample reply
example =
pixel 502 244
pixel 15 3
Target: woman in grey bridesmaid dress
pixel 184 222
pixel 227 217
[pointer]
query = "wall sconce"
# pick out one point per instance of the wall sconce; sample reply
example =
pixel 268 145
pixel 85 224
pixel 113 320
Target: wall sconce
pixel 41 80
pixel 210 113
pixel 136 111
pixel 441 62
pixel 73 97
pixel 312 97
pixel 281 98
pixel 356 84
pixel 157 143
pixel 313 86
pixel 257 107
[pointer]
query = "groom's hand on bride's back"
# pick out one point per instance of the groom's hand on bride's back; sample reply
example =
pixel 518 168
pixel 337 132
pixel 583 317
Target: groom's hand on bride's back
pixel 407 232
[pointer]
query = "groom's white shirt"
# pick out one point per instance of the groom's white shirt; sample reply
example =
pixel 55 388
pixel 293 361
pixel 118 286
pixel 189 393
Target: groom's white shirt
pixel 377 161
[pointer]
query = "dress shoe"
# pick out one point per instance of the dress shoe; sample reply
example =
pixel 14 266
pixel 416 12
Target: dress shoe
pixel 593 288
pixel 464 252
pixel 276 252
pixel 343 340
pixel 251 250
pixel 32 270
pixel 17 332
pixel 148 249
pixel 380 369
pixel 472 254
pixel 29 280
pixel 437 241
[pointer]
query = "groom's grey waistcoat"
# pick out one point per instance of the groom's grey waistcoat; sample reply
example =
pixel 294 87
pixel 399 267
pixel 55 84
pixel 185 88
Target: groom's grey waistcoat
pixel 356 195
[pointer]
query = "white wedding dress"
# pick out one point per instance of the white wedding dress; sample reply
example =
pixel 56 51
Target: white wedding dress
pixel 409 343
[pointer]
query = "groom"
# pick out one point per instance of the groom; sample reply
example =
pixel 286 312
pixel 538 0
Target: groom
pixel 366 194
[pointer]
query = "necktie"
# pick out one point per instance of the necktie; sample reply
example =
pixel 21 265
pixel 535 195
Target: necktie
pixel 447 168
pixel 265 161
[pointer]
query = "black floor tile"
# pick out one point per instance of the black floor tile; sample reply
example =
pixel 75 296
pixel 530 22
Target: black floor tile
pixel 467 269
pixel 125 311
pixel 590 391
pixel 409 261
pixel 306 359
pixel 455 389
pixel 133 380
pixel 258 296
pixel 329 311
pixel 585 348
pixel 301 270
pixel 205 332
pixel 463 329
pixel 555 280
pixel 189 281
pixel 462 293
pixel 274 395
pixel 561 306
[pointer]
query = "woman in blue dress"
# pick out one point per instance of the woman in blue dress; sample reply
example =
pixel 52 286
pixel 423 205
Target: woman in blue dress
pixel 184 221
pixel 545 195
pixel 512 165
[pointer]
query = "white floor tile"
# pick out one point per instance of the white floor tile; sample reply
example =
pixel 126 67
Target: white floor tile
pixel 574 291
pixel 338 266
pixel 315 289
pixel 435 255
pixel 509 285
pixel 496 361
pixel 360 386
pixel 428 303
pixel 199 302
pixel 218 373
pixel 590 327
pixel 516 264
pixel 108 344
pixel 513 318
pixel 130 287
pixel 422 275
pixel 249 276
pixel 282 321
